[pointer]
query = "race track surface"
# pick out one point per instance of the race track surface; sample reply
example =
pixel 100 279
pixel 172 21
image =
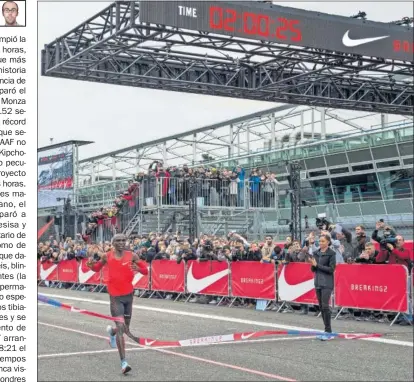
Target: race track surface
pixel 74 347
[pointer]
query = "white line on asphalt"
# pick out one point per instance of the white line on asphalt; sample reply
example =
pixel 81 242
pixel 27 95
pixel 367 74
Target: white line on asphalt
pixel 228 319
pixel 188 356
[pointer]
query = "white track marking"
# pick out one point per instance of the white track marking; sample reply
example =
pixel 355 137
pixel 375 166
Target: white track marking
pixel 227 319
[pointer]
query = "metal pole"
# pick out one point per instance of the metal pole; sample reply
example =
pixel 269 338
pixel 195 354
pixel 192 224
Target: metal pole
pixel 295 198
pixel 192 209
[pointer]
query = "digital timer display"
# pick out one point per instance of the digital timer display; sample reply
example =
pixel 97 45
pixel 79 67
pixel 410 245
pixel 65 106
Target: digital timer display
pixel 278 24
pixel 254 24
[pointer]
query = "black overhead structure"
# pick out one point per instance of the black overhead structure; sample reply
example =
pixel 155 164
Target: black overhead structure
pixel 295 200
pixel 250 50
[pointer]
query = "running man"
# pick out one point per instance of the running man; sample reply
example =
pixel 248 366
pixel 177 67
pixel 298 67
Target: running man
pixel 122 266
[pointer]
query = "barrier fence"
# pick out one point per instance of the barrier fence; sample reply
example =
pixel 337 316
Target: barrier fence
pixel 360 286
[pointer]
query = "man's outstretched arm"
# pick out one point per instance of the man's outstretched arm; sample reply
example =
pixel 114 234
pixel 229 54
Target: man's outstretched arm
pixel 96 266
pixel 139 265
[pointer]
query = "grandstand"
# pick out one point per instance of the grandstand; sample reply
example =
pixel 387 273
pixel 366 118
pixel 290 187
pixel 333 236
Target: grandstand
pixel 357 173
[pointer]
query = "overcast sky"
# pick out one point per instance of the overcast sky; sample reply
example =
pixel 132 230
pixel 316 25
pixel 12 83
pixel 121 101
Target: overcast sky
pixel 118 116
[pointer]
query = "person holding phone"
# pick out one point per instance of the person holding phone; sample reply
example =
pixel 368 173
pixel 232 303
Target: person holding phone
pixel 323 264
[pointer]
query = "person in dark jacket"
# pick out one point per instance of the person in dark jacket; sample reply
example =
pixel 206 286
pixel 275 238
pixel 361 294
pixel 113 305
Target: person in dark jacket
pixel 368 256
pixel 358 243
pixel 323 265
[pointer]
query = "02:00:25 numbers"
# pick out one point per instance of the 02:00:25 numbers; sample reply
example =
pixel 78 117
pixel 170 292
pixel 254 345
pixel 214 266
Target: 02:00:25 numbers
pixel 254 24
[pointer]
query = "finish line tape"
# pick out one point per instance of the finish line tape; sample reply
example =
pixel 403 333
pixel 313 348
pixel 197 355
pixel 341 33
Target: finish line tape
pixel 72 309
pixel 246 336
pixel 242 336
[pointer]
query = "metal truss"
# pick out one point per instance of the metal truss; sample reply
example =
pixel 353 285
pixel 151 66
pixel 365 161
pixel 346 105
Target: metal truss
pixel 278 127
pixel 115 47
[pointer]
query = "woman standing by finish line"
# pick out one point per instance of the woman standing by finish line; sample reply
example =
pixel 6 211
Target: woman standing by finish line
pixel 323 264
pixel 122 266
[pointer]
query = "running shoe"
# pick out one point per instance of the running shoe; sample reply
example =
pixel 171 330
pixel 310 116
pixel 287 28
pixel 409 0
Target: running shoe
pixel 327 337
pixel 112 337
pixel 125 368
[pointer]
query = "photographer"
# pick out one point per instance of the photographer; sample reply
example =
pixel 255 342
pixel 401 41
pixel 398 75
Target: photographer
pixel 296 254
pixel 345 239
pixel 186 253
pixel 358 243
pixel 237 251
pixel 207 251
pixel 389 235
pixel 253 254
pixel 397 254
pixel 394 254
pixel 368 256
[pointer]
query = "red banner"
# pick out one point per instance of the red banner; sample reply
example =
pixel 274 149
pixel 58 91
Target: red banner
pixel 86 275
pixel 210 278
pixel 366 286
pixel 408 245
pixel 48 271
pixel 68 271
pixel 141 281
pixel 296 283
pixel 167 276
pixel 252 279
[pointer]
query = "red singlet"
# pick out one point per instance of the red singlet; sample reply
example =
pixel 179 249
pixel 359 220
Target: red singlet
pixel 120 274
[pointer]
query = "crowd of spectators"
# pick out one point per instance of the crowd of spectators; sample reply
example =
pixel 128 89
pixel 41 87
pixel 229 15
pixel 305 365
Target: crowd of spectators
pixel 349 248
pixel 213 187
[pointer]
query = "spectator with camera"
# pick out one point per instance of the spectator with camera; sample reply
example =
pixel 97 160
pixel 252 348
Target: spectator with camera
pixel 186 253
pixel 345 240
pixel 295 253
pixel 368 256
pixel 397 254
pixel 358 243
pixel 394 253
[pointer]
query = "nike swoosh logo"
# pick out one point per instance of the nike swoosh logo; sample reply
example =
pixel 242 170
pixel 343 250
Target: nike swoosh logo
pixel 288 292
pixel 136 278
pixel 44 273
pixel 84 276
pixel 149 343
pixel 247 336
pixel 197 285
pixel 74 310
pixel 347 41
pixel 125 263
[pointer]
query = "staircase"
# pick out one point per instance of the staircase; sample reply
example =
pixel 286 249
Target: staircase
pixel 132 224
pixel 222 222
pixel 150 222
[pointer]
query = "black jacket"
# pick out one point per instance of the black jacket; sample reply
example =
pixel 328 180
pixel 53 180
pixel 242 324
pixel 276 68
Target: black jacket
pixel 325 267
pixel 296 257
pixel 371 259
